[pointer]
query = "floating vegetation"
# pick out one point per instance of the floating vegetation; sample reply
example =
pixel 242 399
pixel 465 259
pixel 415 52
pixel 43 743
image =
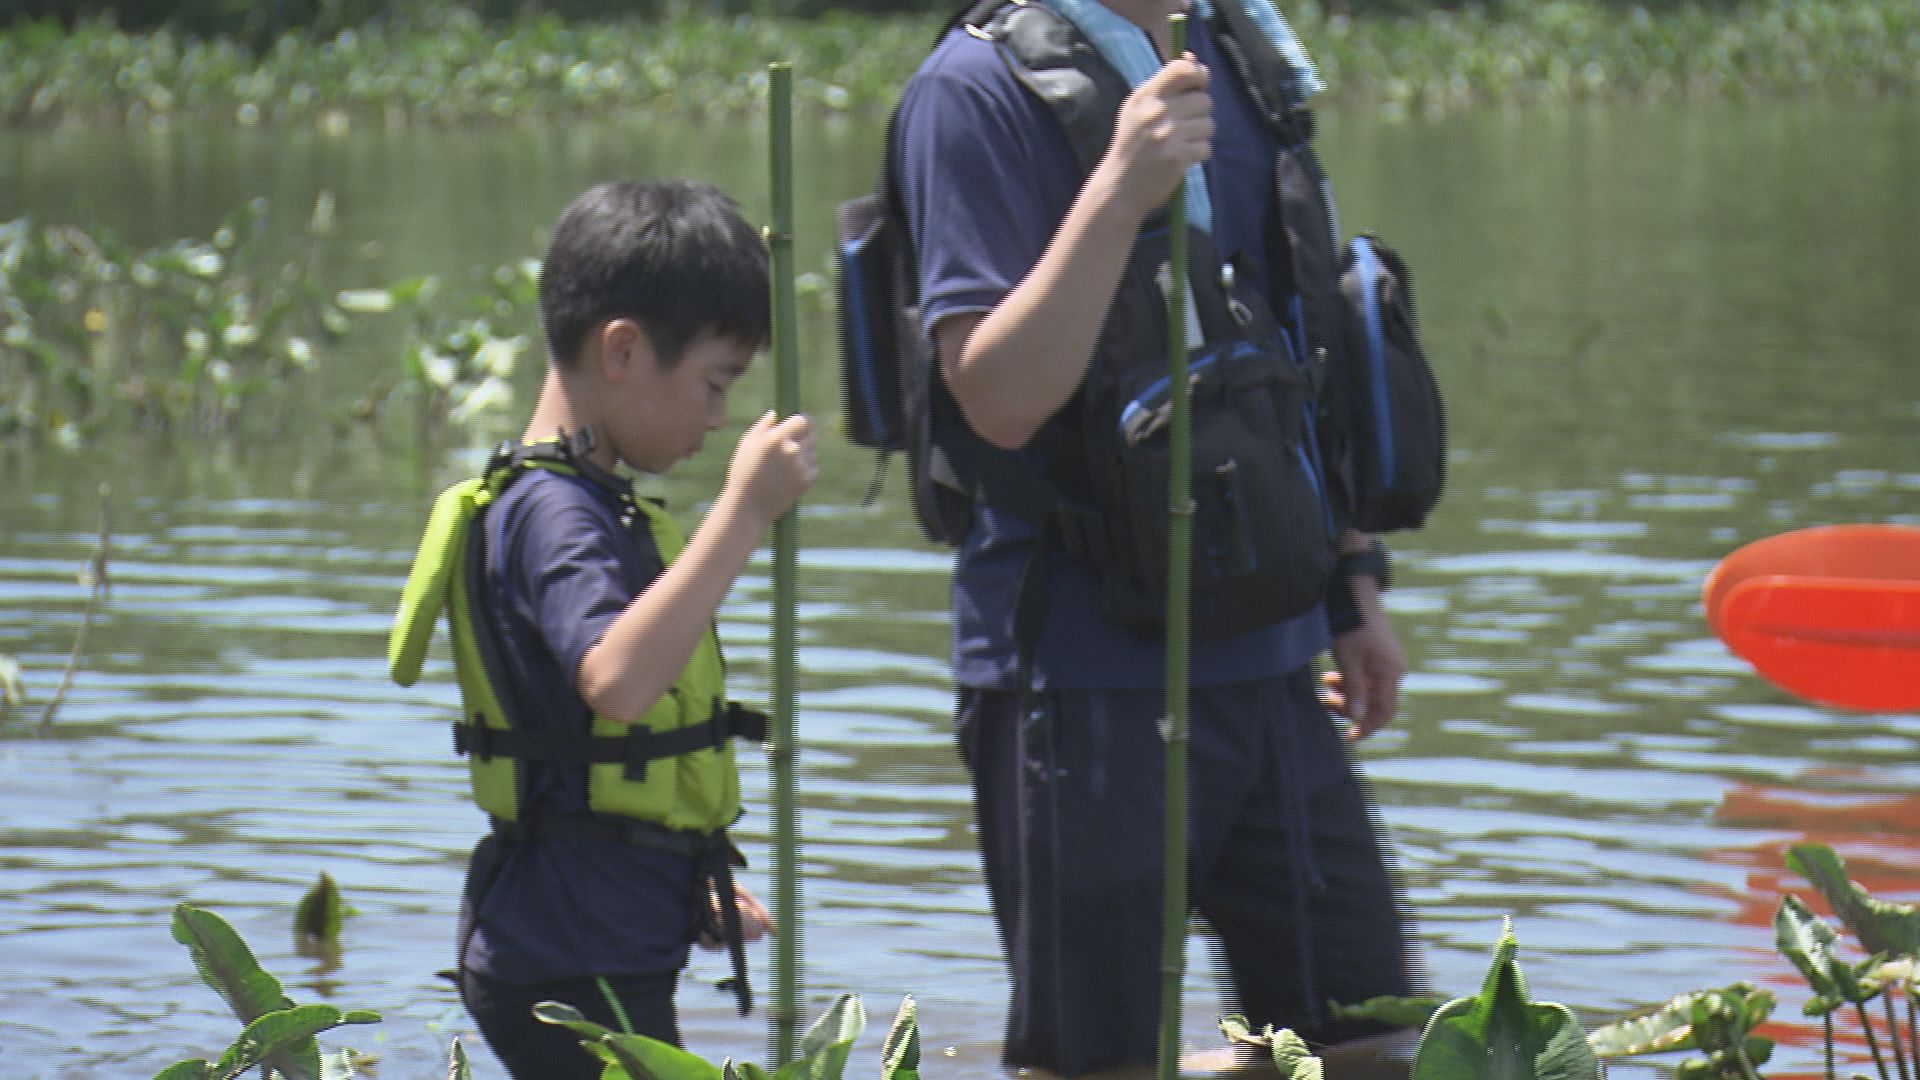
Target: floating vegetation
pixel 210 337
pixel 456 68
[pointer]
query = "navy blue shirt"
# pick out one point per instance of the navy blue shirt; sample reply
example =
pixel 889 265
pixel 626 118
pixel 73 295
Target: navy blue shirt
pixel 561 567
pixel 987 175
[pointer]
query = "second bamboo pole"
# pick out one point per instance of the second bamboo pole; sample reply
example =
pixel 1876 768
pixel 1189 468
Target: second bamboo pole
pixel 783 1017
pixel 1173 939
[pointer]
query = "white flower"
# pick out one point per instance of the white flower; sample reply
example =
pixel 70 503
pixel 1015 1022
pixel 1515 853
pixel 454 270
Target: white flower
pixel 195 340
pixel 489 394
pixel 204 263
pixel 239 336
pixel 365 301
pixel 220 372
pixel 496 356
pixel 439 369
pixel 300 352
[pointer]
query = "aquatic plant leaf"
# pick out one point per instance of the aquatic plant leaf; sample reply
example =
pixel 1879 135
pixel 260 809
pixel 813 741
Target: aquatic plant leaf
pixel 1291 1057
pixel 284 1039
pixel 458 1067
pixel 742 1070
pixel 900 1050
pixel 1403 1012
pixel 195 1069
pixel 626 1064
pixel 226 964
pixel 1881 927
pixel 1808 942
pixel 823 1050
pixel 316 922
pixel 635 1057
pixel 1501 1034
pixel 1665 1029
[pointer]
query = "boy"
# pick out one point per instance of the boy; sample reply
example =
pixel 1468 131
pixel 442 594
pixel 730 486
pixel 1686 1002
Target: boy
pixel 593 704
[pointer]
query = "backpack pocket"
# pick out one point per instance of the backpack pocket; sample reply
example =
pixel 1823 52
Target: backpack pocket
pixel 1386 427
pixel 868 256
pixel 1262 540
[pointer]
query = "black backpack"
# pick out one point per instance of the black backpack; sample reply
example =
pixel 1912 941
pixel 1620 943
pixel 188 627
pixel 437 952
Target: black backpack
pixel 1386 427
pixel 894 399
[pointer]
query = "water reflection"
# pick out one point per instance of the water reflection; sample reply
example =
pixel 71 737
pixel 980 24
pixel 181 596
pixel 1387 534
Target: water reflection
pixel 1644 368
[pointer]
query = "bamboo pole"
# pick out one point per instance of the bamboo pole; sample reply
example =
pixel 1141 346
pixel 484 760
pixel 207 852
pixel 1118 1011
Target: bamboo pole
pixel 784 1018
pixel 1173 934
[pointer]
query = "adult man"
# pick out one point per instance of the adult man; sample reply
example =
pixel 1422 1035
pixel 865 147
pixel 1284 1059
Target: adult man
pixel 1022 249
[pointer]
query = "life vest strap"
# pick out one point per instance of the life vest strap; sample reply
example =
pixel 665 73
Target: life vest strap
pixel 634 749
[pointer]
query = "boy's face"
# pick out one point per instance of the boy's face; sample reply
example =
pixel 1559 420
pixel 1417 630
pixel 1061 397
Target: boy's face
pixel 659 417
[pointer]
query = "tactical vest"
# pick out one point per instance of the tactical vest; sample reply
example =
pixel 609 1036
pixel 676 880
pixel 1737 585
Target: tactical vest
pixel 1264 530
pixel 673 767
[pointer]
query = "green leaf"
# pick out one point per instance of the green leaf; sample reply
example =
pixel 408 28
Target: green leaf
pixel 824 1048
pixel 1291 1057
pixel 1502 1035
pixel 458 1067
pixel 900 1051
pixel 659 1060
pixel 1665 1029
pixel 226 964
pixel 1400 1012
pixel 316 922
pixel 195 1069
pixel 1811 944
pixel 1881 927
pixel 284 1039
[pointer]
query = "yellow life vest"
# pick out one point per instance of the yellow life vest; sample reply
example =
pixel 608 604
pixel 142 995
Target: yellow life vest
pixel 672 767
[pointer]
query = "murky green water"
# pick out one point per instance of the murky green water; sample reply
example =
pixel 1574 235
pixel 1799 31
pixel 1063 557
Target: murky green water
pixel 1662 332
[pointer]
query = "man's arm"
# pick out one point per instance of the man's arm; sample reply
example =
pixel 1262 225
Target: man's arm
pixel 1368 661
pixel 1014 367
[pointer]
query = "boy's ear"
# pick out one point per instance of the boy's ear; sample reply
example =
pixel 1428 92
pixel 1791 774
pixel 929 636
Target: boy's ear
pixel 623 346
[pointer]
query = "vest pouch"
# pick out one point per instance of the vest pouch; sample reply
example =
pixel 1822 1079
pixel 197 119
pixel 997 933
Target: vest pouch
pixel 1387 431
pixel 1262 548
pixel 868 311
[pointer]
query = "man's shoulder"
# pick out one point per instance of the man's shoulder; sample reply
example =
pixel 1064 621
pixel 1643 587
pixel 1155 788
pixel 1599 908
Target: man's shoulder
pixel 961 58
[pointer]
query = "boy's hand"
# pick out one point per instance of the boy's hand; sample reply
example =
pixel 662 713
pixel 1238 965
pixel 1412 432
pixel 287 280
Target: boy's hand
pixel 1164 127
pixel 774 465
pixel 755 922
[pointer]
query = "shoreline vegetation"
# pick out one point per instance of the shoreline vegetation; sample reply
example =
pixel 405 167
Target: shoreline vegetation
pixel 455 68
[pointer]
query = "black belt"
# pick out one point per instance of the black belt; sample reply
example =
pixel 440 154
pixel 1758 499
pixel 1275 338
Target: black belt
pixel 714 857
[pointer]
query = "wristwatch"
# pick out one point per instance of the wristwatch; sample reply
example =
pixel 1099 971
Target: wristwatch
pixel 1370 560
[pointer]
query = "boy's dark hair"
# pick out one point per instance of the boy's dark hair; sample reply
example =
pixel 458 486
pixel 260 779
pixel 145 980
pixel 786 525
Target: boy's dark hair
pixel 673 255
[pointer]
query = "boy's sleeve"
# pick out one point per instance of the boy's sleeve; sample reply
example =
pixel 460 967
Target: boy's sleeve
pixel 571 576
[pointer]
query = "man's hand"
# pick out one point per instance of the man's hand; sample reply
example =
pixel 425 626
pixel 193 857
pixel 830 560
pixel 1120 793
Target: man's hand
pixel 1369 664
pixel 1164 127
pixel 755 922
